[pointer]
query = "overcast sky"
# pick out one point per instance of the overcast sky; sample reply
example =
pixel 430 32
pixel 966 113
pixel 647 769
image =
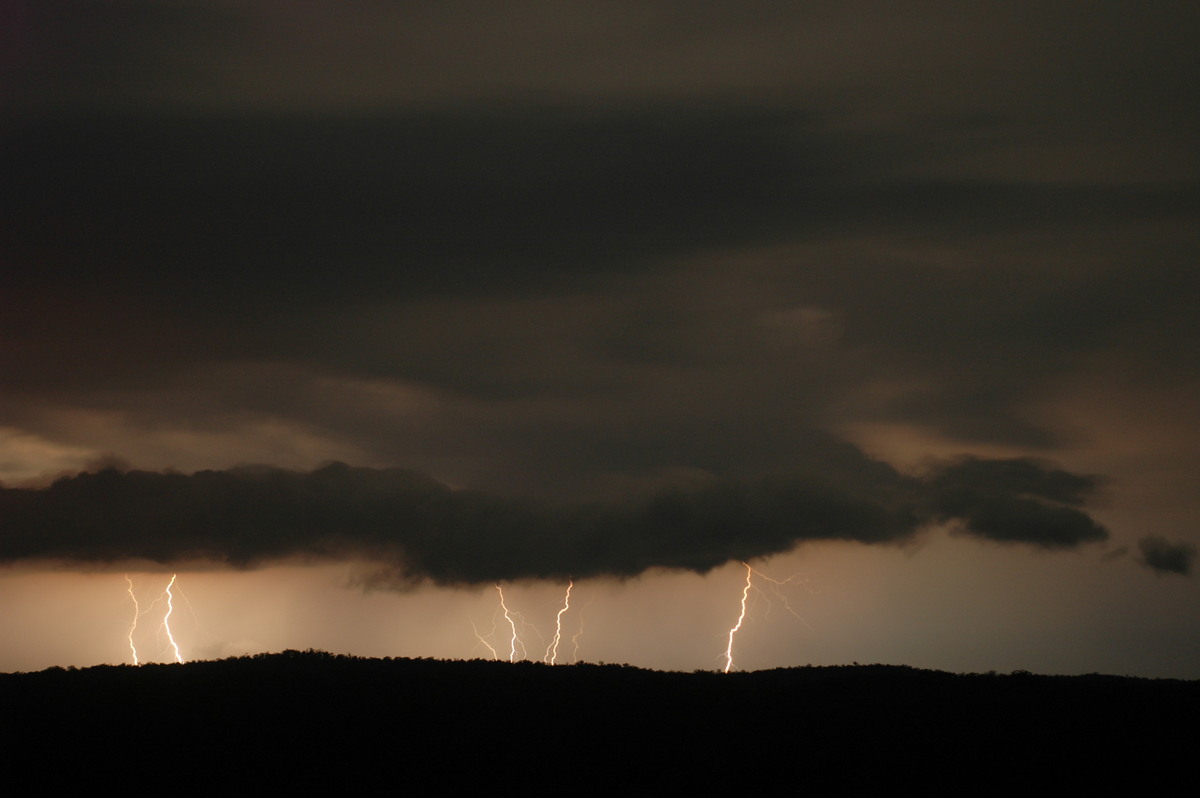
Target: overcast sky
pixel 901 298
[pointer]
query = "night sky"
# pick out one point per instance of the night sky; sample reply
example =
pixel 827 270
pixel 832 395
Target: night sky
pixel 347 313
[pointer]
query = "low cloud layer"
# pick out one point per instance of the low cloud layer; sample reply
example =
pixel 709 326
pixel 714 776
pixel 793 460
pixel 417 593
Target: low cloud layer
pixel 1164 557
pixel 1016 500
pixel 418 529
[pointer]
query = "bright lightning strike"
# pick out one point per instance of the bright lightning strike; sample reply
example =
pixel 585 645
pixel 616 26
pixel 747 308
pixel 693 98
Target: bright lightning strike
pixel 133 625
pixel 166 622
pixel 512 654
pixel 552 649
pixel 518 649
pixel 776 586
pixel 741 617
pixel 165 626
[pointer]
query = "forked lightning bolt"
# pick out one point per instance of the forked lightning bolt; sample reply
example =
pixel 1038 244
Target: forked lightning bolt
pixel 517 648
pixel 741 617
pixel 776 588
pixel 138 612
pixel 133 625
pixel 552 649
pixel 483 639
pixel 579 634
pixel 512 653
pixel 166 623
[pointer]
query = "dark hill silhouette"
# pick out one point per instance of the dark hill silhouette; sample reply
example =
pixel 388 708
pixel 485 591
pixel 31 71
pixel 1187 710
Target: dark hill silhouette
pixel 298 720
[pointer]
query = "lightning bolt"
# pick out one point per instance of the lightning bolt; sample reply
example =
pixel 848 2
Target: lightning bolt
pixel 483 639
pixel 133 624
pixel 166 621
pixel 741 617
pixel 777 586
pixel 575 640
pixel 579 634
pixel 508 616
pixel 552 649
pixel 517 624
pixel 191 610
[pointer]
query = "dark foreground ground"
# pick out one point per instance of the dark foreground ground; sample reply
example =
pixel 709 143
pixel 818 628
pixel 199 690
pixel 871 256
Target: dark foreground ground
pixel 300 720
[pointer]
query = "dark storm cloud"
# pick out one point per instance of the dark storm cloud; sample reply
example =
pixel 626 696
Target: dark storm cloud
pixel 94 54
pixel 226 234
pixel 270 54
pixel 416 528
pixel 567 243
pixel 393 198
pixel 1015 501
pixel 408 202
pixel 1164 557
